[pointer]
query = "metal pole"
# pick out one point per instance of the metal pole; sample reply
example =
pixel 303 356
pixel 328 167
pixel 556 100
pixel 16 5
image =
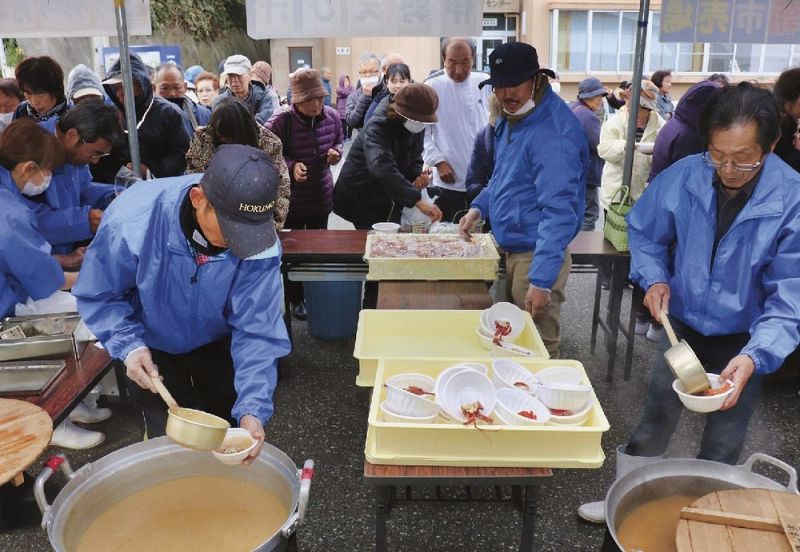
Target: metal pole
pixel 636 89
pixel 127 85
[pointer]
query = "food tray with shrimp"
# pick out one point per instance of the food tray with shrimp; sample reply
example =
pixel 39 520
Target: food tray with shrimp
pixel 449 442
pixel 431 257
pixel 388 334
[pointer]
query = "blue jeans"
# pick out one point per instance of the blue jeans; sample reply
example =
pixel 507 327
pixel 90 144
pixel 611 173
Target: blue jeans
pixel 592 212
pixel 725 432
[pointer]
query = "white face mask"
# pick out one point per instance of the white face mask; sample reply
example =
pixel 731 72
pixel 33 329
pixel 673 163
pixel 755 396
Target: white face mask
pixel 30 189
pixel 268 253
pixel 526 107
pixel 366 81
pixel 555 86
pixel 6 117
pixel 415 127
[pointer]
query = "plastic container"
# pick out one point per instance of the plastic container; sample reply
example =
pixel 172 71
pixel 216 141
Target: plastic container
pixel 577 418
pixel 564 396
pixel 560 374
pixel 483 267
pixel 332 308
pixel 393 417
pixel 504 312
pixel 510 375
pixel 403 402
pixel 499 445
pixel 467 387
pixel 386 227
pixel 238 438
pixel 699 403
pixel 389 334
pixel 511 402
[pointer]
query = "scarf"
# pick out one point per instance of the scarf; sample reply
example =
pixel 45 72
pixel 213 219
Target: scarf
pixel 33 114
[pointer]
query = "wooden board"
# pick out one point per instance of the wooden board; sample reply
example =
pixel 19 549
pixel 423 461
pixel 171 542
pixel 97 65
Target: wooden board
pixel 25 431
pixel 696 536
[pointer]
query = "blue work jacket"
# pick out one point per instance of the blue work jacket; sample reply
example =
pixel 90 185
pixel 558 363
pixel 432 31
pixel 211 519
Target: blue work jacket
pixel 63 209
pixel 536 196
pixel 752 285
pixel 26 267
pixel 140 286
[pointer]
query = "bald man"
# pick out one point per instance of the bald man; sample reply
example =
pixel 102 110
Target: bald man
pixel 171 85
pixel 463 112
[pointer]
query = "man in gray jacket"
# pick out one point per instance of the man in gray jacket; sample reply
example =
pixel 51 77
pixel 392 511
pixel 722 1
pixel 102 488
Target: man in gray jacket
pixel 238 70
pixel 358 102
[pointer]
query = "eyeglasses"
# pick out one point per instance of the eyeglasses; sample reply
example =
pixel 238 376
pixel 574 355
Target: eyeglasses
pixel 738 167
pixel 96 155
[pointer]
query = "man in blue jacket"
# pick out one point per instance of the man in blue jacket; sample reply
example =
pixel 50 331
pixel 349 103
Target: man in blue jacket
pixel 69 211
pixel 183 280
pixel 715 241
pixel 535 198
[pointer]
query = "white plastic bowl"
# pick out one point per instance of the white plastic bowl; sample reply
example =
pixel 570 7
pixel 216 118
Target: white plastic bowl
pixel 578 418
pixel 560 374
pixel 701 404
pixel 510 349
pixel 507 373
pixel 504 311
pixel 390 416
pixel 510 402
pixel 564 396
pixel 467 387
pixel 448 373
pixel 406 403
pixel 239 438
pixel 386 227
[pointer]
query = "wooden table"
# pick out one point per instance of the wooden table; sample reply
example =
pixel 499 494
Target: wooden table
pixel 25 431
pixel 593 249
pixel 74 382
pixel 387 479
pixel 441 295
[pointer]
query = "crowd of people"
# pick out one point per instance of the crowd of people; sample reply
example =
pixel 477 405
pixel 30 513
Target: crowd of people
pixel 178 274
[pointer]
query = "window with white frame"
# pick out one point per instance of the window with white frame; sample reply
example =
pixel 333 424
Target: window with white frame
pixel 603 41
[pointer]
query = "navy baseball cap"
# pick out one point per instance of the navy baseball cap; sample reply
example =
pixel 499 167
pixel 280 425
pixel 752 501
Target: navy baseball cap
pixel 513 63
pixel 241 184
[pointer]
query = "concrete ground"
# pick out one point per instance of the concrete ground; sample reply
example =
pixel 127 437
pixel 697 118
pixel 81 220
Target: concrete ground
pixel 321 414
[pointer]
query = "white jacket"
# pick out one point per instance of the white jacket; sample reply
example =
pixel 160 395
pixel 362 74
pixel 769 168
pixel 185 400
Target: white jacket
pixel 612 149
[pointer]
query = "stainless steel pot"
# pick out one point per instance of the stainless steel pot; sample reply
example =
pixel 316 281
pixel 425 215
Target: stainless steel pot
pixel 686 476
pixel 96 486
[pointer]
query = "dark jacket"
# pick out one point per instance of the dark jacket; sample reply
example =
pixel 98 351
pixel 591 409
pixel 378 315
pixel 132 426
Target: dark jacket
pixel 591 126
pixel 49 124
pixel 359 103
pixel 308 140
pixel 326 84
pixel 196 115
pixel 259 100
pixel 785 147
pixel 163 138
pixel 342 93
pixel 379 172
pixel 481 165
pixel 680 137
pixel 377 98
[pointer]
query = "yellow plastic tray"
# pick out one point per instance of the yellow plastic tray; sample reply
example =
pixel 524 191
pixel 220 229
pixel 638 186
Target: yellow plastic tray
pixel 386 334
pixel 549 446
pixel 416 268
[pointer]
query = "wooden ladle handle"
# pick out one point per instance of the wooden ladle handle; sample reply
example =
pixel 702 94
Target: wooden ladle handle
pixel 668 326
pixel 162 390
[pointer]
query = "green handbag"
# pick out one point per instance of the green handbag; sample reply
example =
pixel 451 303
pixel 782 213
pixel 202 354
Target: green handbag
pixel 615 228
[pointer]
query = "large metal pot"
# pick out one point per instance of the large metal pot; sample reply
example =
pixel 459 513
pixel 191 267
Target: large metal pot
pixel 96 486
pixel 686 476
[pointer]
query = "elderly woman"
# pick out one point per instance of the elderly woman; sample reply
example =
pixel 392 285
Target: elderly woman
pixel 383 171
pixel 312 141
pixel 232 122
pixel 206 88
pixel 41 80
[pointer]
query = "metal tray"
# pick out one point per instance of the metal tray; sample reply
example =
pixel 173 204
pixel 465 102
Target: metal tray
pixel 50 336
pixel 28 378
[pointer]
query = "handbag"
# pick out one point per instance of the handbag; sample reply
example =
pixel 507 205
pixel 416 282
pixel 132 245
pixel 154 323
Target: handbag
pixel 615 228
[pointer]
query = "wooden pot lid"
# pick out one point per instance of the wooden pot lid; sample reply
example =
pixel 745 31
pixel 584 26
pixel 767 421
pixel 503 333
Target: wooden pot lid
pixel 25 431
pixel 771 511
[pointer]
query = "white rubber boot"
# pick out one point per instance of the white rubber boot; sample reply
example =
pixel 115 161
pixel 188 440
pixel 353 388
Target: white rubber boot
pixel 86 414
pixel 594 512
pixel 68 435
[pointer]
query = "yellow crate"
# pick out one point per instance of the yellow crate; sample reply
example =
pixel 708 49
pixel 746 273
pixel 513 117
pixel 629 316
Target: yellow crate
pixel 417 268
pixel 551 446
pixel 385 334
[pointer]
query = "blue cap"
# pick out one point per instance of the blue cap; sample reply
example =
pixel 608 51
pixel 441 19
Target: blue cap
pixel 241 183
pixel 591 88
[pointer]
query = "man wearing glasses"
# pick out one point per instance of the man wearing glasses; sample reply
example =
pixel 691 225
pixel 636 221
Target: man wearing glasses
pixel 69 212
pixel 715 241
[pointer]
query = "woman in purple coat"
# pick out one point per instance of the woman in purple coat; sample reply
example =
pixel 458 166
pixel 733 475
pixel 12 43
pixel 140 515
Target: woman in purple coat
pixel 311 134
pixel 342 92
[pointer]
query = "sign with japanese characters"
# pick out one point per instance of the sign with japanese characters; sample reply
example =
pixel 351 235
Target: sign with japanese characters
pixel 354 18
pixel 62 18
pixel 743 21
pixel 500 6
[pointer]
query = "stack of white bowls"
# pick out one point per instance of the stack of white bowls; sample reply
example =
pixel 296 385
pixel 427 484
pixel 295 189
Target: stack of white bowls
pixel 403 406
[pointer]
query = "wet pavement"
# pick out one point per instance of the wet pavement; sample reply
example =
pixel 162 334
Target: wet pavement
pixel 321 414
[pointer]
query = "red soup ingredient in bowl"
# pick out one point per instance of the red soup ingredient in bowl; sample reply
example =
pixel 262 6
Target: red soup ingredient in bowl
pixel 530 414
pixel 710 392
pixel 558 412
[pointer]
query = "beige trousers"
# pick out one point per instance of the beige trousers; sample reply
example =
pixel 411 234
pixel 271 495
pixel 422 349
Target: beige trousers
pixel 548 321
